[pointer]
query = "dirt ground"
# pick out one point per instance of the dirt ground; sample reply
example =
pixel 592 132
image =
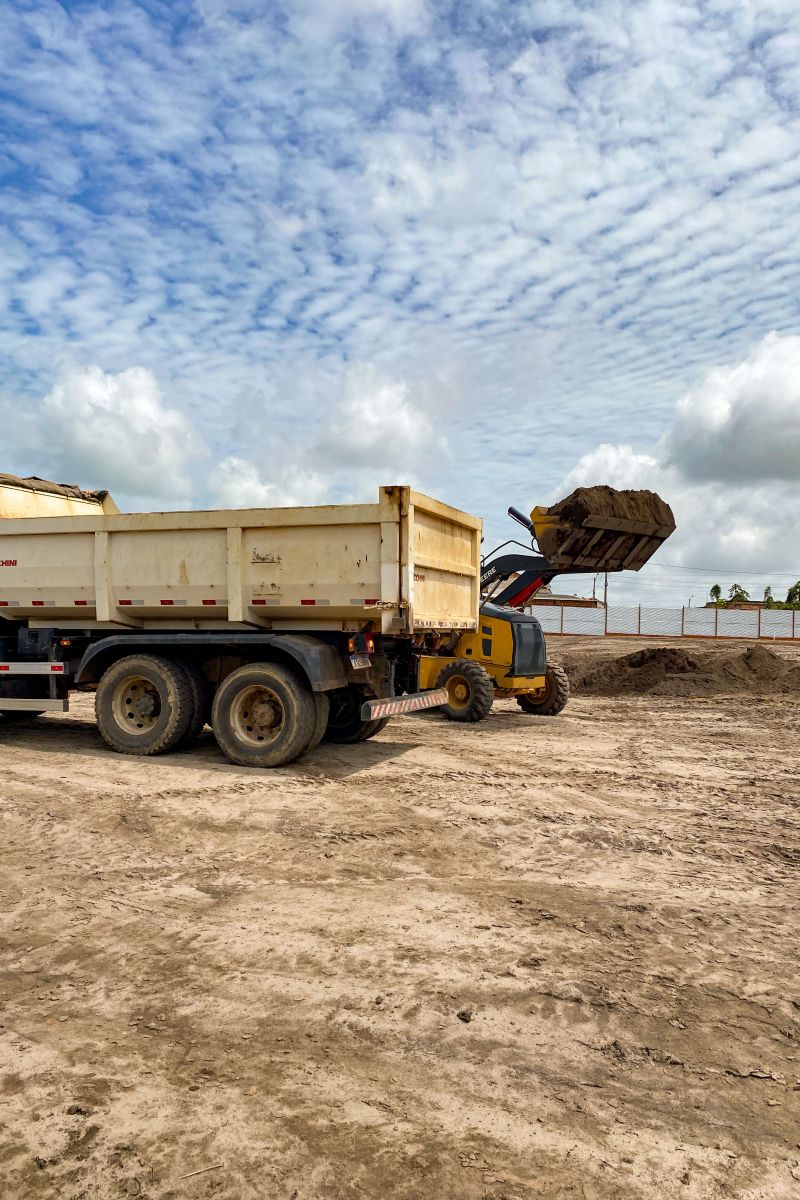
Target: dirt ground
pixel 534 958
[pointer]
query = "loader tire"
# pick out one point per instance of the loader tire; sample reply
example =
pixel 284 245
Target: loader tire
pixel 144 704
pixel 263 716
pixel 345 725
pixel 470 689
pixel 554 699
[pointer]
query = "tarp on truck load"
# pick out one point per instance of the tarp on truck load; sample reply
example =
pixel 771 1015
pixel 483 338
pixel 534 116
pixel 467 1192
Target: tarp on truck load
pixel 32 483
pixel 29 496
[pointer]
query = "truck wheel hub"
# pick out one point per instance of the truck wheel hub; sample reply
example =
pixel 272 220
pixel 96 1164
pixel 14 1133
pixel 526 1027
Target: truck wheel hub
pixel 263 714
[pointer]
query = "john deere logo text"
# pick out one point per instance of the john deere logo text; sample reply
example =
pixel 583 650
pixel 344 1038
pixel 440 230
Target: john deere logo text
pixel 8 562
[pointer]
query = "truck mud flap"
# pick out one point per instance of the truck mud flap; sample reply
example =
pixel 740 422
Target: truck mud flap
pixel 375 710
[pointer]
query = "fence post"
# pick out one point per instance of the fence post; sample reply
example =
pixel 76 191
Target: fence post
pixel 794 610
pixel 639 626
pixel 561 629
pixel 683 618
pixel 758 627
pixel 716 620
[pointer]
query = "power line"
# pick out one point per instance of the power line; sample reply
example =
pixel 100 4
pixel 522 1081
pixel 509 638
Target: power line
pixel 724 570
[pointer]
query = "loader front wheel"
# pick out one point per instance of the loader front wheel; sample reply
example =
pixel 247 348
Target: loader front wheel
pixel 554 697
pixel 470 690
pixel 263 715
pixel 144 704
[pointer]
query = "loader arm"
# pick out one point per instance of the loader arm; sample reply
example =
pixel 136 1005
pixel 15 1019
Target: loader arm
pixel 530 571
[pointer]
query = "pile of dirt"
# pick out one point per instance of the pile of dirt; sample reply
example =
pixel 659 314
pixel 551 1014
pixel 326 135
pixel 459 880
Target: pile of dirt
pixel 670 671
pixel 590 504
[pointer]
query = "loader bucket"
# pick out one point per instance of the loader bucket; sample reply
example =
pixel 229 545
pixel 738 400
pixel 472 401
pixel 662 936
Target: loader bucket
pixel 601 529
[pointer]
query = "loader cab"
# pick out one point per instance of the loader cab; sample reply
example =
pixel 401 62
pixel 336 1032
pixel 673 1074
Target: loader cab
pixel 510 640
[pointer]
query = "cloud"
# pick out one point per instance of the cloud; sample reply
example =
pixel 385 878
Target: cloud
pixel 368 433
pixel 743 423
pixel 728 466
pixel 115 431
pixel 240 483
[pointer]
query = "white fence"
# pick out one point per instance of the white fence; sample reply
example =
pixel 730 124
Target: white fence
pixel 767 624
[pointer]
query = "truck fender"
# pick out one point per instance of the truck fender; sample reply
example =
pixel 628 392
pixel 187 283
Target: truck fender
pixel 320 662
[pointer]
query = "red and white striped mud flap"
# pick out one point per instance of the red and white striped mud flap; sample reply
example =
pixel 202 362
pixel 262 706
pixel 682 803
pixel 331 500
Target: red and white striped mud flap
pixel 374 710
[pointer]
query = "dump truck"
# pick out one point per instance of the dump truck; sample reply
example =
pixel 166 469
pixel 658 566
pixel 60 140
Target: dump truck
pixel 278 626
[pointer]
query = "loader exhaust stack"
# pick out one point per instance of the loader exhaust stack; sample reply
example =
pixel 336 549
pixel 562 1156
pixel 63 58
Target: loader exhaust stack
pixel 601 529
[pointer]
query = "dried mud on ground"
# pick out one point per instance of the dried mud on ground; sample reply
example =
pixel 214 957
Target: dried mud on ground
pixel 536 958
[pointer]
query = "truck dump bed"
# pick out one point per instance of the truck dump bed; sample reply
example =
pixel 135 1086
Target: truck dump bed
pixel 407 564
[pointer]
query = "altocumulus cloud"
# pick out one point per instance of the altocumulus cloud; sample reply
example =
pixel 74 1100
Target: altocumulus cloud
pixel 517 231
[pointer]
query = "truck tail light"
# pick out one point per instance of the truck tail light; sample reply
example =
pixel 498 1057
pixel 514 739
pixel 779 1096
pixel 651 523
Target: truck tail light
pixel 362 643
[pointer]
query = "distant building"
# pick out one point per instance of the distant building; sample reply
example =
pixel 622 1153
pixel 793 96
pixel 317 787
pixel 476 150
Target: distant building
pixel 747 605
pixel 559 600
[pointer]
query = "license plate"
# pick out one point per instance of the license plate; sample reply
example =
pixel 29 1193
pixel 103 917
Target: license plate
pixel 360 662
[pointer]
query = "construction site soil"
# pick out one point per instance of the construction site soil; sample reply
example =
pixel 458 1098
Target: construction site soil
pixel 537 957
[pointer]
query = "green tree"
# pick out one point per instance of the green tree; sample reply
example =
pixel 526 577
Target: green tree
pixel 768 601
pixel 737 594
pixel 793 594
pixel 716 593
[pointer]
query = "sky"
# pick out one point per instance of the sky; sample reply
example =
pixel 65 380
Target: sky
pixel 286 251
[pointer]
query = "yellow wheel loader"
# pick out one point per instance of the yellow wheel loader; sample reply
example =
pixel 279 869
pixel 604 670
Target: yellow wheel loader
pixel 593 530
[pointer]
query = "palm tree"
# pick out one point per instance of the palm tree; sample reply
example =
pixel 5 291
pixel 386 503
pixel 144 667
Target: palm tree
pixel 768 601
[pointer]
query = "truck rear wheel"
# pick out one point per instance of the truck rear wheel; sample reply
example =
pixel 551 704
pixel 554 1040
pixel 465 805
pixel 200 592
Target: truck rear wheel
pixel 553 699
pixel 263 715
pixel 345 725
pixel 201 702
pixel 144 704
pixel 470 689
pixel 322 707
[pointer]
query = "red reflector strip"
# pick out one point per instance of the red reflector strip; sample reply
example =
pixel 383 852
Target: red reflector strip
pixel 4 667
pixel 259 601
pixel 124 602
pixel 80 603
pixel 57 668
pixel 209 602
pixel 308 602
pixel 3 604
pixel 372 601
pixel 37 603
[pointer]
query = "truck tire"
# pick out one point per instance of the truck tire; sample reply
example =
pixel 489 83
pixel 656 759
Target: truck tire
pixel 263 715
pixel 144 704
pixel 554 699
pixel 470 688
pixel 322 706
pixel 201 702
pixel 345 726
